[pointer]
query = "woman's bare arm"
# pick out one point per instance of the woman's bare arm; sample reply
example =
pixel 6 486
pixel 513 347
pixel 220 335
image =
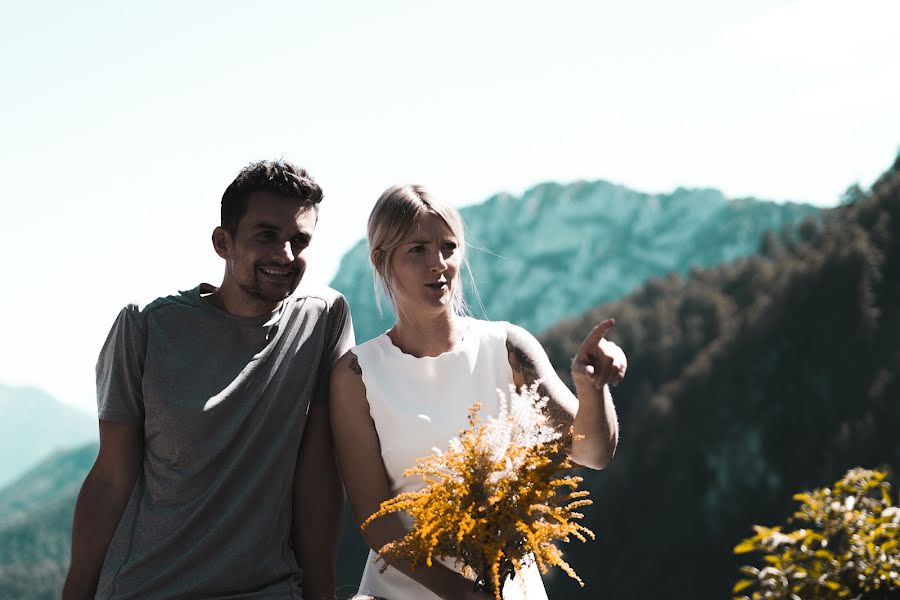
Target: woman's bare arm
pixel 359 459
pixel 592 414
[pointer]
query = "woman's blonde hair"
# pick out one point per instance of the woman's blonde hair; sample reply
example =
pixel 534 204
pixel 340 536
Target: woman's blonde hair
pixel 394 216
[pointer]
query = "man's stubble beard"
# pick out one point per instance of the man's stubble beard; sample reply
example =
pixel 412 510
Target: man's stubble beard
pixel 254 289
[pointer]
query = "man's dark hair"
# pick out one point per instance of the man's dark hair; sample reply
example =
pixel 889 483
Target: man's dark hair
pixel 279 177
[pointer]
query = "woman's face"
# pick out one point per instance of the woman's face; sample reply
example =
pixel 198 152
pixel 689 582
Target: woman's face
pixel 425 267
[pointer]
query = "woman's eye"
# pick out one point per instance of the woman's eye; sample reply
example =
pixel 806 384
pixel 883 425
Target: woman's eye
pixel 416 249
pixel 449 245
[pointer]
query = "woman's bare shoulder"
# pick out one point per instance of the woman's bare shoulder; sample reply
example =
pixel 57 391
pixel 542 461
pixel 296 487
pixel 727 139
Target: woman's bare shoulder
pixel 346 380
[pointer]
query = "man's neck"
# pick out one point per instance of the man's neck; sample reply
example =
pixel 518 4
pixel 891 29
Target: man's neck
pixel 237 302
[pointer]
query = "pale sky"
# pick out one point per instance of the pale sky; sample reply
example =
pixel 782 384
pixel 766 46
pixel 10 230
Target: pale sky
pixel 122 124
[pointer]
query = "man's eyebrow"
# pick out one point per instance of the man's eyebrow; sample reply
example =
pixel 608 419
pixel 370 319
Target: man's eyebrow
pixel 264 225
pixel 270 227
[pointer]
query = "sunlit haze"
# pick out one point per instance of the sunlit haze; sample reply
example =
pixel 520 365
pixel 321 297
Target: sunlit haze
pixel 122 123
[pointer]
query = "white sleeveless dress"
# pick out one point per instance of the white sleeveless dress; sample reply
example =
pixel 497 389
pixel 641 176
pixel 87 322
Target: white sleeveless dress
pixel 418 404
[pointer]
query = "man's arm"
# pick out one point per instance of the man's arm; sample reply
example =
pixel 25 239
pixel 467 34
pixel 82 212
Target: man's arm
pixel 318 495
pixel 100 504
pixel 318 499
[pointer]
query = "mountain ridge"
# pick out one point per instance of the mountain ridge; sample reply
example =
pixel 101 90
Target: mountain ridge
pixel 573 246
pixel 33 424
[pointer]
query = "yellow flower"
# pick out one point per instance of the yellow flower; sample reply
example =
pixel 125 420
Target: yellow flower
pixel 502 495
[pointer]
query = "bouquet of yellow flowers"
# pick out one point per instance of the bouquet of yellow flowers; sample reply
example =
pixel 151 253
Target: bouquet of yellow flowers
pixel 501 495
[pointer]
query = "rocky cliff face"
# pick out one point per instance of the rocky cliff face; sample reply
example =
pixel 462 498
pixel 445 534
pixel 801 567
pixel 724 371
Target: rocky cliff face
pixel 562 249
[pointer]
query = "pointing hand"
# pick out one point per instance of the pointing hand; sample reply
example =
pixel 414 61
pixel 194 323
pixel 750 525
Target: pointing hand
pixel 599 361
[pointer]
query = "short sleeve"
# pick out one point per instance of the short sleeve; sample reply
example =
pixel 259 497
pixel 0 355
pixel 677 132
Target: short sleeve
pixel 120 370
pixel 340 327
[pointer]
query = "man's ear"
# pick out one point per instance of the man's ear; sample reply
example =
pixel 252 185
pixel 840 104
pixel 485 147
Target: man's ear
pixel 221 240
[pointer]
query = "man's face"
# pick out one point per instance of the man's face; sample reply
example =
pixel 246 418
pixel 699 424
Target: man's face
pixel 266 256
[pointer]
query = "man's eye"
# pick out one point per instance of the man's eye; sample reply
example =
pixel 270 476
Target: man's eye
pixel 302 242
pixel 265 236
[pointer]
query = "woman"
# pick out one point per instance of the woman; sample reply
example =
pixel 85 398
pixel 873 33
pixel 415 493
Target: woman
pixel 395 398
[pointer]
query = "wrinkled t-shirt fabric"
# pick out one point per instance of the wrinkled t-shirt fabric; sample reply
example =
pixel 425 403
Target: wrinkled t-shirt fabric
pixel 222 400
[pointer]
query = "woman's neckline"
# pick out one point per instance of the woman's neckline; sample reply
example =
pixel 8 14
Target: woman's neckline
pixel 455 349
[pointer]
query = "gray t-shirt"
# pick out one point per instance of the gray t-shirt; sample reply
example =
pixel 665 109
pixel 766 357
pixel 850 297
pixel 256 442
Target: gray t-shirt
pixel 222 400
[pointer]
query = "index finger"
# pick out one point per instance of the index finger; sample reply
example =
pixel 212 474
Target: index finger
pixel 596 334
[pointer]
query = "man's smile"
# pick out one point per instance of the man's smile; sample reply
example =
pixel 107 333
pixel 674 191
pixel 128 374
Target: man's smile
pixel 277 271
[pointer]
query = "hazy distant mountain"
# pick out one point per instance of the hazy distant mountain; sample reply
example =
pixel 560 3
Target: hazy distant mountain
pixel 35 525
pixel 562 249
pixel 59 475
pixel 32 425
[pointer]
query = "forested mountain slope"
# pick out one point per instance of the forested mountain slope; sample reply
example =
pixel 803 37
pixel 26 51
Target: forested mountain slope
pixel 747 383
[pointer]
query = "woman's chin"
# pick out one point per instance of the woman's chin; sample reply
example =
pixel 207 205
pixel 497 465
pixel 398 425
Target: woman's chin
pixel 426 304
pixel 433 305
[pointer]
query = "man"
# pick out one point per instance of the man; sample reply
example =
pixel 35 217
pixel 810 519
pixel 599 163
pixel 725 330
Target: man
pixel 216 476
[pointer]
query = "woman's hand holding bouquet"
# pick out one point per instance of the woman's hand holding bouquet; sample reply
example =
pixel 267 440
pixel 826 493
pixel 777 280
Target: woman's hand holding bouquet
pixel 499 497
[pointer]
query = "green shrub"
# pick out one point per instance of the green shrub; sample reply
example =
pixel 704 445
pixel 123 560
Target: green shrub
pixel 846 545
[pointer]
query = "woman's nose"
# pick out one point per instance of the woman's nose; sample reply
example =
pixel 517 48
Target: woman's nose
pixel 438 262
